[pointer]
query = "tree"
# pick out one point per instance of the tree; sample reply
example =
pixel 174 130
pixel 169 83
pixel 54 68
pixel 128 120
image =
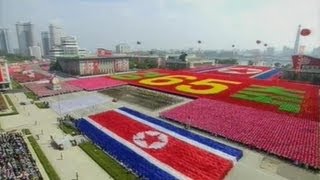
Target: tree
pixel 55 66
pixel 226 61
pixel 183 56
pixel 277 64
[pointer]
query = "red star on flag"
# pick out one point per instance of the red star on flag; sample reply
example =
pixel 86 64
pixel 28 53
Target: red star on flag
pixel 151 139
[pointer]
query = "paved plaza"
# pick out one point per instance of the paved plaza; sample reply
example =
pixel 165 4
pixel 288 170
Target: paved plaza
pixel 45 120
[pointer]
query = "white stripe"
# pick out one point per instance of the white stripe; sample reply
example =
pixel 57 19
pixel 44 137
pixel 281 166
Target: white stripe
pixel 182 138
pixel 215 69
pixel 140 152
pixel 253 76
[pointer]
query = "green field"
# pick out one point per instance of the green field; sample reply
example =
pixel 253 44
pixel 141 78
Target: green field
pixel 52 174
pixel 26 131
pixel 16 85
pixel 68 129
pixel 42 105
pixel 13 108
pixel 31 95
pixel 111 166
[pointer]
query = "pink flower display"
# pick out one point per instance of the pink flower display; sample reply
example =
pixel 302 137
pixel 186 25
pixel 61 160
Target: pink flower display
pixel 287 136
pixel 96 83
pixel 28 77
pixel 44 90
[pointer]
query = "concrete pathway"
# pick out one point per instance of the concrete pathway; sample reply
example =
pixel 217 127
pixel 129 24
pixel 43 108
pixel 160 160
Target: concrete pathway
pixel 44 120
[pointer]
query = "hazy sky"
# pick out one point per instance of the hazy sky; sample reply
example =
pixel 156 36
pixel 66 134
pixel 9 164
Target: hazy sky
pixel 166 24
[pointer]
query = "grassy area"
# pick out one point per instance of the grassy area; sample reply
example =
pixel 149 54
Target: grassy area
pixel 43 159
pixel 42 105
pixel 111 166
pixel 31 95
pixel 68 129
pixel 15 85
pixel 12 107
pixel 26 131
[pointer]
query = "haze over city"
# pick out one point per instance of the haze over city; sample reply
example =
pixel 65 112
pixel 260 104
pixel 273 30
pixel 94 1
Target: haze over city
pixel 169 24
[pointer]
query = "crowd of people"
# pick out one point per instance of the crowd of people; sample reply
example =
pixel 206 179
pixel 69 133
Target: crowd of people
pixel 16 161
pixel 289 137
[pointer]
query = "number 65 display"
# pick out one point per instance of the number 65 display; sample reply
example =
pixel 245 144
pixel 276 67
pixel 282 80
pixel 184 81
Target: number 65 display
pixel 214 85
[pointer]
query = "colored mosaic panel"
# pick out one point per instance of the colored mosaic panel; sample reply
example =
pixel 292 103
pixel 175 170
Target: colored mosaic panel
pixel 136 76
pixel 286 136
pixel 286 100
pixel 295 99
pixel 163 151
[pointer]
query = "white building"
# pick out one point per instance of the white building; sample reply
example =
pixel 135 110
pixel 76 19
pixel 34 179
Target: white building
pixel 83 52
pixel 122 48
pixel 55 52
pixel 69 45
pixel 55 33
pixel 69 48
pixel 35 51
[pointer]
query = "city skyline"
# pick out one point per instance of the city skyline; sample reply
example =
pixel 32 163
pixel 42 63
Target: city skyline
pixel 25 37
pixel 170 25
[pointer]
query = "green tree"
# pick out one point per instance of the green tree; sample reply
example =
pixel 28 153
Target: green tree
pixel 277 64
pixel 15 57
pixel 226 61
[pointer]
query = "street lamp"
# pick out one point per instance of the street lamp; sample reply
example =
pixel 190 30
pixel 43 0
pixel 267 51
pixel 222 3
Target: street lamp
pixel 233 50
pixel 199 42
pixel 138 49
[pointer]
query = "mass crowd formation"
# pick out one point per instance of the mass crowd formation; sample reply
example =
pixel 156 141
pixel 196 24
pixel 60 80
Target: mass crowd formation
pixel 45 89
pixel 23 77
pixel 289 137
pixel 95 83
pixel 16 161
pixel 192 155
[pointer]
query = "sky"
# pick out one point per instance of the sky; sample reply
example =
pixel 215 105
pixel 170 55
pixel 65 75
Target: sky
pixel 170 24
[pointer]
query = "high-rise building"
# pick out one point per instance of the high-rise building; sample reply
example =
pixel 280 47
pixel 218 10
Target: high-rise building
pixel 4 41
pixel 55 35
pixel 25 36
pixel 69 45
pixel 122 48
pixel 270 51
pixel 45 43
pixel 286 51
pixel 35 51
pixel 316 52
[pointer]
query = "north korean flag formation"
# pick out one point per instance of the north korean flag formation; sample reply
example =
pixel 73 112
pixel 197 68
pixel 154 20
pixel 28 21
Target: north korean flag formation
pixel 154 149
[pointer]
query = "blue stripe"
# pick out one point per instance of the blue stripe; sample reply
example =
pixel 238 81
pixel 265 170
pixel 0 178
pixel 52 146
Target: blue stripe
pixel 121 153
pixel 209 142
pixel 268 75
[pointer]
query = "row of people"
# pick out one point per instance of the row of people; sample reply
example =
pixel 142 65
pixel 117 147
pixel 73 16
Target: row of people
pixel 16 161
